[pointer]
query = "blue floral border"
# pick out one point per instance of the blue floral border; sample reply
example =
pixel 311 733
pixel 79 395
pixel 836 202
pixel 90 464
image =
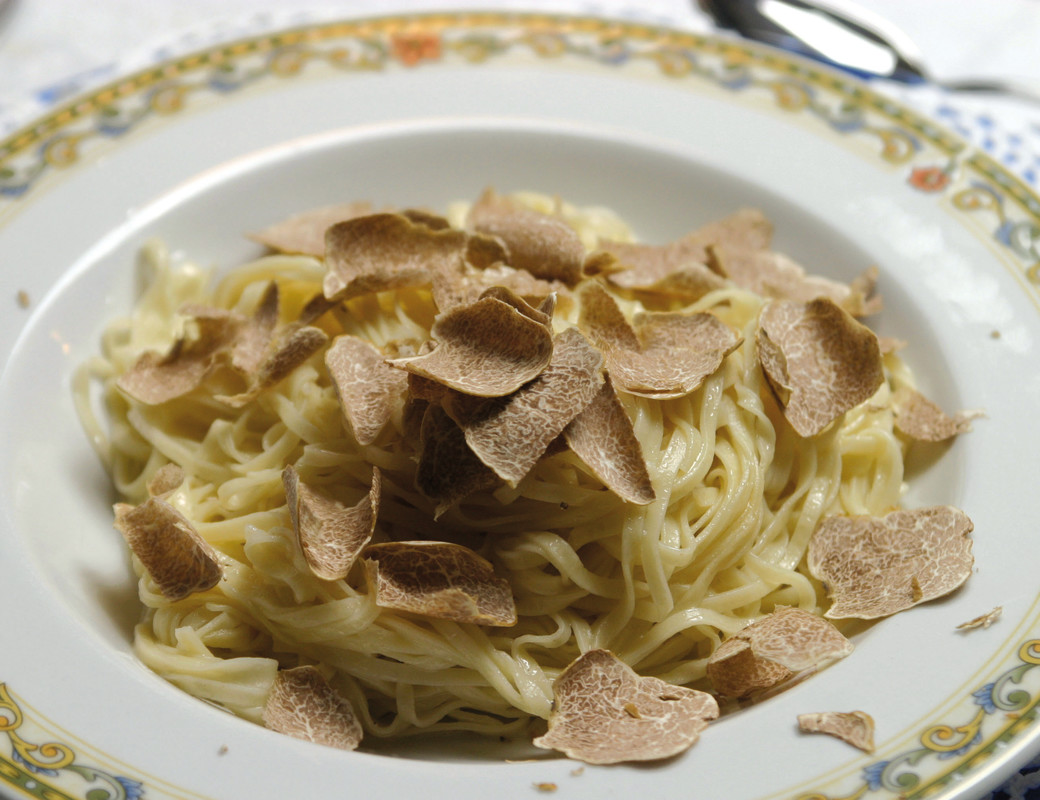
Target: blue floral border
pixel 44 770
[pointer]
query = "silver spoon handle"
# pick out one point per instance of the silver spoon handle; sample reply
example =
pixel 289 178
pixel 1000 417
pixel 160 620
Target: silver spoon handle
pixel 1019 91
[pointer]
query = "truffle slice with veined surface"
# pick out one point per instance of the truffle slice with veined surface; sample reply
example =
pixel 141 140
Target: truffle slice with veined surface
pixel 250 346
pixel 772 274
pixel 303 704
pixel 290 348
pixel 659 355
pixel 166 479
pixel 773 650
pixel 368 388
pixel 819 361
pixel 448 471
pixel 217 336
pixel 655 273
pixel 467 286
pixel 854 727
pixel 510 434
pixel 304 233
pixel 156 378
pixel 331 534
pixel 386 251
pixel 179 560
pixel 922 420
pixel 876 566
pixel 605 713
pixel 439 579
pixel 603 438
pixel 488 348
pixel 681 268
pixel 542 244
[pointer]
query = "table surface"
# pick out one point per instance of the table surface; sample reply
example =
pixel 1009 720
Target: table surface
pixel 51 49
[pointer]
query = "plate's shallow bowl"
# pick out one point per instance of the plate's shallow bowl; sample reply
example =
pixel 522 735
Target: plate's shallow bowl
pixel 668 129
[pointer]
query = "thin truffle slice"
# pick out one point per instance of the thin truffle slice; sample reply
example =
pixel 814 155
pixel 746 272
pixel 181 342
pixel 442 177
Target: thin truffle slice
pixel 605 713
pixel 603 320
pixel 156 378
pixel 314 309
pixel 304 233
pixel 420 216
pixel 489 348
pixel 522 283
pixel 775 275
pixel 484 252
pixel 331 534
pixel 179 560
pixel 165 480
pixel 302 704
pixel 876 566
pixel 773 650
pixel 660 355
pixel 602 436
pixel 542 244
pixel 820 362
pixel 863 298
pixel 919 418
pixel 439 579
pixel 448 470
pixel 292 347
pixel 219 337
pixel 983 620
pixel 854 727
pixel 890 344
pixel 368 388
pixel 541 315
pixel 250 346
pixel 511 434
pixel 660 369
pixel 682 267
pixel 452 289
pixel 387 251
pixel 656 275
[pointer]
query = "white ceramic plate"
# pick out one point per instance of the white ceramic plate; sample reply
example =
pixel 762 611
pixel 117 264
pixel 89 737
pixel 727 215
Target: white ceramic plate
pixel 670 130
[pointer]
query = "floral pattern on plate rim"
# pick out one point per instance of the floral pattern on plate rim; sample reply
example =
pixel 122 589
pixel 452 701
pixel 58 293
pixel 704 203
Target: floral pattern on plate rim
pixel 931 161
pixel 52 770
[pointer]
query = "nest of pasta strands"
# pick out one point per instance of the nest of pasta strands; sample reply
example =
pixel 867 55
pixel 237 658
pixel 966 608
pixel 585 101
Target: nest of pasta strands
pixel 503 381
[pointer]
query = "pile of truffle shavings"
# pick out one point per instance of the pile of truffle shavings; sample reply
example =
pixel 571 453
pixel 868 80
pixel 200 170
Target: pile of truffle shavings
pixel 503 380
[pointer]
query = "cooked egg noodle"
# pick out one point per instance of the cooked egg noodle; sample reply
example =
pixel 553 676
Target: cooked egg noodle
pixel 738 495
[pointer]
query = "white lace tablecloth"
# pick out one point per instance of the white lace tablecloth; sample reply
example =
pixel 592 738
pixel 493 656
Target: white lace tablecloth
pixel 51 50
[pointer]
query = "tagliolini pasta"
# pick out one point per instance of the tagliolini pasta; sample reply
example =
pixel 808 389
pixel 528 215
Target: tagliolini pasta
pixel 737 494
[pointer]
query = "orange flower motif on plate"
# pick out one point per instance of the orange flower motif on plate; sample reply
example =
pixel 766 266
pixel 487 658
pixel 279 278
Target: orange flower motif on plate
pixel 929 179
pixel 411 47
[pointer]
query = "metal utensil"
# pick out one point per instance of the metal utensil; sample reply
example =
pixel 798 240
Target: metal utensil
pixel 846 36
pixel 6 8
